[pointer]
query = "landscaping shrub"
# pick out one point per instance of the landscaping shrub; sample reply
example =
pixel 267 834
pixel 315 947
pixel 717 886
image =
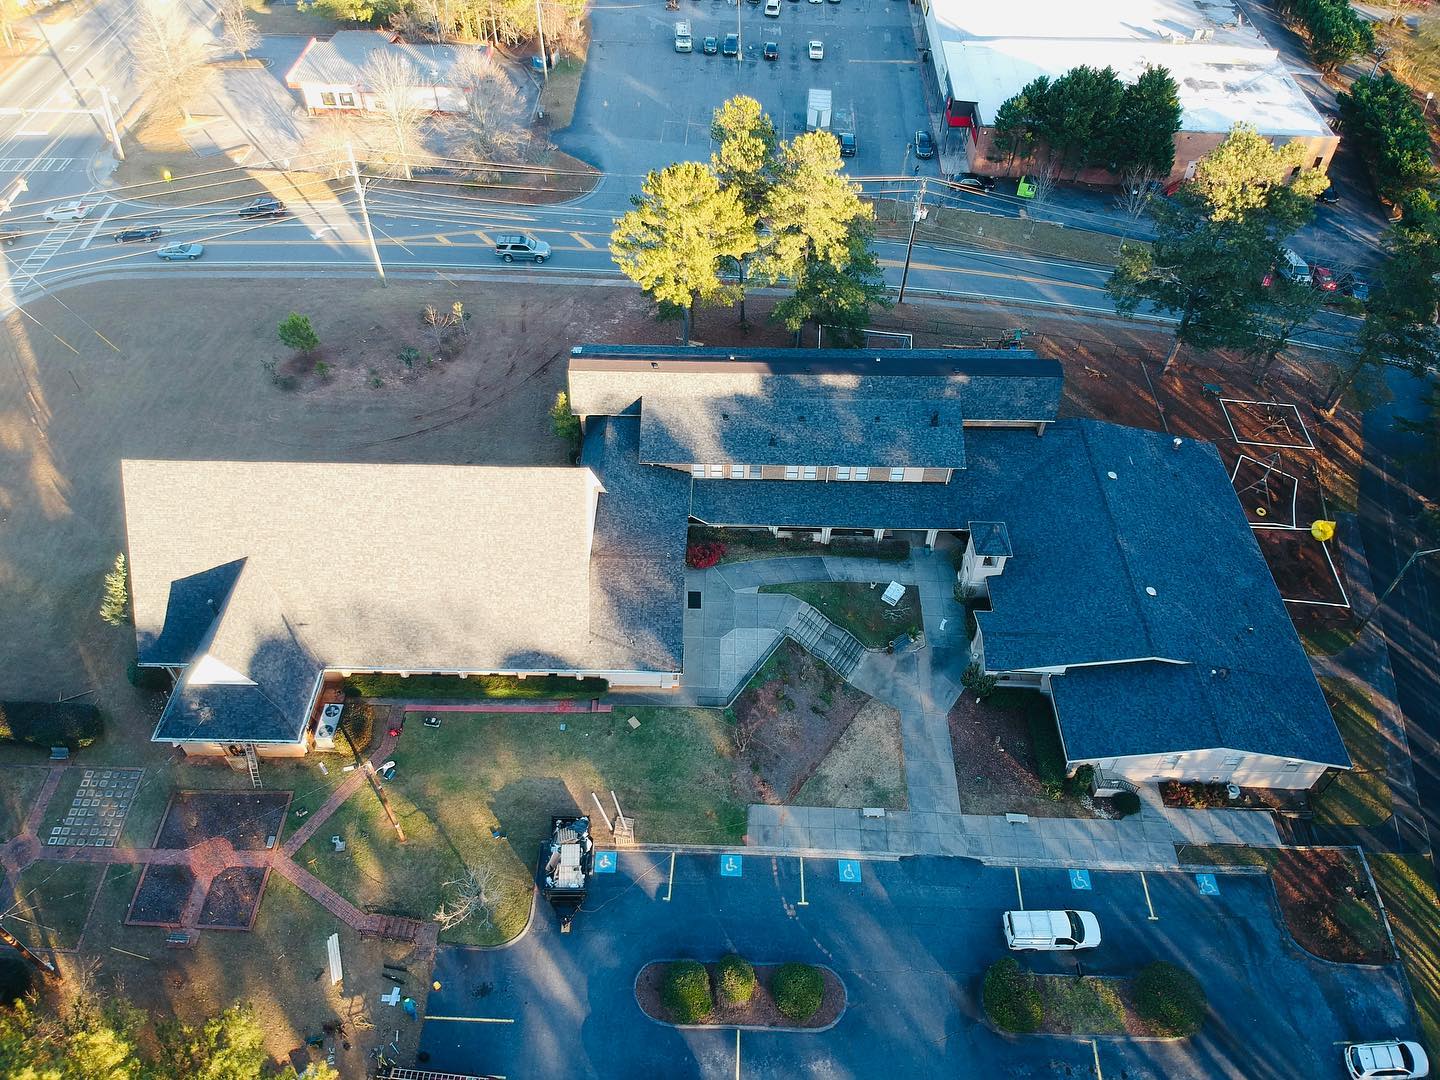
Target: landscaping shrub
pixel 704 555
pixel 797 990
pixel 974 679
pixel 1194 796
pixel 1170 999
pixel 1126 803
pixel 686 992
pixel 50 723
pixel 1049 754
pixel 475 688
pixel 1079 783
pixel 147 678
pixel 1010 997
pixel 736 979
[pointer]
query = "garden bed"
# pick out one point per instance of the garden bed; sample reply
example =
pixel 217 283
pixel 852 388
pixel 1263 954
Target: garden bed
pixel 759 1012
pixel 475 688
pixel 1197 795
pixel 160 896
pixel 743 545
pixel 858 608
pixel 1162 1001
pixel 1329 906
pixel 234 898
pixel 246 818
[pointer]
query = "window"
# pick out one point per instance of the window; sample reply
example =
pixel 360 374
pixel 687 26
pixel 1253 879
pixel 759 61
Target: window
pixel 1292 766
pixel 737 472
pixel 697 470
pixel 1170 761
pixel 1232 762
pixel 842 472
pixel 347 101
pixel 987 560
pixel 717 471
pixel 862 473
pixel 1318 160
pixel 810 472
pixel 792 472
pixel 755 473
pixel 897 474
pixel 327 98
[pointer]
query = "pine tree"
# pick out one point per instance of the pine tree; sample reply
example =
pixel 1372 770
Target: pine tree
pixel 296 332
pixel 115 603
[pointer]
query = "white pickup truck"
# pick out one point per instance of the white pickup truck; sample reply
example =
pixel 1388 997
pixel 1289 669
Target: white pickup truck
pixel 683 42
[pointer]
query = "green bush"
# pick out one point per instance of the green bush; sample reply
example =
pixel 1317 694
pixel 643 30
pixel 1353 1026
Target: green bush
pixel 475 688
pixel 147 678
pixel 686 992
pixel 1169 999
pixel 1010 997
pixel 1079 783
pixel 1049 753
pixel 50 723
pixel 735 979
pixel 1126 803
pixel 974 679
pixel 798 990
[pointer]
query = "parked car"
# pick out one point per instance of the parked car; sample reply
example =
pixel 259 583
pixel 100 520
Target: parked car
pixel 924 145
pixel 69 211
pixel 1355 287
pixel 1324 279
pixel 711 45
pixel 1329 196
pixel 171 252
pixel 140 234
pixel 1294 267
pixel 772 9
pixel 1051 931
pixel 847 143
pixel 512 246
pixel 732 45
pixel 970 181
pixel 263 208
pixel 771 51
pixel 1390 1060
pixel 817 50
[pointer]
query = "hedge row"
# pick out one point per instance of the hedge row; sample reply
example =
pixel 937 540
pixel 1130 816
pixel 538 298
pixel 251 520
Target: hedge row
pixel 798 989
pixel 1011 997
pixel 474 688
pixel 50 723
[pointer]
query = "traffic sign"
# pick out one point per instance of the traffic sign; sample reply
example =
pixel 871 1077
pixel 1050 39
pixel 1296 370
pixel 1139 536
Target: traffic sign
pixel 605 862
pixel 1080 879
pixel 730 865
pixel 849 871
pixel 1208 885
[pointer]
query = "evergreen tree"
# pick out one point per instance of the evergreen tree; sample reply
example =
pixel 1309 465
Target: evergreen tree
pixel 1020 120
pixel 115 602
pixel 296 332
pixel 1080 115
pixel 745 150
pixel 838 298
pixel 811 209
pixel 1143 136
pixel 1383 124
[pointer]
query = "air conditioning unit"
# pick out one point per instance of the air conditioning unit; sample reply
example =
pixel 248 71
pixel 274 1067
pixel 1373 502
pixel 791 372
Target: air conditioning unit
pixel 326 726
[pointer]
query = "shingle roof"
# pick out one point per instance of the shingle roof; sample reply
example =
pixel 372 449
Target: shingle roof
pixel 998 384
pixel 341 61
pixel 990 538
pixel 822 430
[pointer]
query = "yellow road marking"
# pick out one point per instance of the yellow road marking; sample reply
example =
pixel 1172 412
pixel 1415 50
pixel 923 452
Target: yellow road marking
pixel 583 242
pixel 485 238
pixel 444 239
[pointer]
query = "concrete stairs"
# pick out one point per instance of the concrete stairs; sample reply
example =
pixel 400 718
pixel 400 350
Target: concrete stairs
pixel 825 641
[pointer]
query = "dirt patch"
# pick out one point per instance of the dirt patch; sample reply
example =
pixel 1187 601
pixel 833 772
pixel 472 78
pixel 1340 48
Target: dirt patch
pixel 866 767
pixel 786 721
pixel 234 898
pixel 1329 907
pixel 759 1011
pixel 246 818
pixel 161 895
pixel 1301 566
pixel 995 756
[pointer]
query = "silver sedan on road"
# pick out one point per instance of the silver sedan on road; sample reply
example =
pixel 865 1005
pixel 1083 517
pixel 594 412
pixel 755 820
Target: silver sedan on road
pixel 171 252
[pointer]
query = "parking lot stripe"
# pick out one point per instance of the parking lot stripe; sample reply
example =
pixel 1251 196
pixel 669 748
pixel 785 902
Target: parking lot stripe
pixel 737 1054
pixel 1095 1046
pixel 670 886
pixel 1018 893
pixel 475 1019
pixel 1146 886
pixel 803 901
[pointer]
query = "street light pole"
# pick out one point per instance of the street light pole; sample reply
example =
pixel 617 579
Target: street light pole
pixel 365 214
pixel 1391 587
pixel 915 217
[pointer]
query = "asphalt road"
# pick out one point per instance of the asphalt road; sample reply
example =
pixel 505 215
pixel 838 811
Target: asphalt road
pixel 910 941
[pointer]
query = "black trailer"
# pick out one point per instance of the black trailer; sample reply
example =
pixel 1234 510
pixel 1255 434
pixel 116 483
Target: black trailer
pixel 567 859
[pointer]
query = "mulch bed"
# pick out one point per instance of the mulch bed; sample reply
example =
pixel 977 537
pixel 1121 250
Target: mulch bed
pixel 1329 906
pixel 160 896
pixel 245 818
pixel 788 718
pixel 760 1011
pixel 1298 564
pixel 234 898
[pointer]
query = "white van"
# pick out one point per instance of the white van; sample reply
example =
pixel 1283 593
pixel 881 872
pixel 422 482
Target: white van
pixel 1051 931
pixel 1294 267
pixel 682 36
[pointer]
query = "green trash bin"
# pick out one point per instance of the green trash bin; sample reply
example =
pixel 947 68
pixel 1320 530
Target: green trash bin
pixel 1026 188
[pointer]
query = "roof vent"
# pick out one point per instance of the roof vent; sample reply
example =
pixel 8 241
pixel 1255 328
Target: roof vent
pixel 1150 590
pixel 655 363
pixel 1178 442
pixel 1112 476
pixel 800 419
pixel 724 416
pixel 772 440
pixel 1220 672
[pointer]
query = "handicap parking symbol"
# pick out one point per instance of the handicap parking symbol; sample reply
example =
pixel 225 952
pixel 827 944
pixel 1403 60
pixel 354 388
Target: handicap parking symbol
pixel 1080 879
pixel 849 871
pixel 730 866
pixel 1208 885
pixel 605 862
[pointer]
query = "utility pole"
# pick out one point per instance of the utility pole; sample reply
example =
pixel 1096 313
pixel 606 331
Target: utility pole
pixel 1391 587
pixel 915 216
pixel 365 214
pixel 540 28
pixel 108 103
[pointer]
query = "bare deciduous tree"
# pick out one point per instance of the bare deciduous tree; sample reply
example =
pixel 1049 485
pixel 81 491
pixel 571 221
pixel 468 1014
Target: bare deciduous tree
pixel 328 143
pixel 171 58
pixel 241 33
pixel 397 92
pixel 490 128
pixel 1137 187
pixel 466 897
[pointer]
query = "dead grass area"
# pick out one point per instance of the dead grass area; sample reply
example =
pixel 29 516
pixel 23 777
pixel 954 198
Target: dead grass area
pixel 995 756
pixel 968 225
pixel 562 88
pixel 866 767
pixel 1329 906
pixel 787 720
pixel 274 18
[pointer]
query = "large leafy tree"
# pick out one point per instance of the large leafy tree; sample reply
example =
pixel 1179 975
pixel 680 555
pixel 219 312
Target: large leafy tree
pixel 838 297
pixel 1246 179
pixel 1380 120
pixel 744 156
pixel 1286 307
pixel 1142 138
pixel 674 242
pixel 1020 120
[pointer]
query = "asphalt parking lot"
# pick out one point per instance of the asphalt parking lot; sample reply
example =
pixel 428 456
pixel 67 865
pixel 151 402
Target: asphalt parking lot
pixel 910 940
pixel 642 105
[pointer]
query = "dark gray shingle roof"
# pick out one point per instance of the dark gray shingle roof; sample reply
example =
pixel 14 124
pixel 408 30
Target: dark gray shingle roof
pixel 990 538
pixel 821 430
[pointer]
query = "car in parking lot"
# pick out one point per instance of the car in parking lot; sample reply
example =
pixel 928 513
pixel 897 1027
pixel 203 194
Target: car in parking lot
pixel 711 45
pixel 263 208
pixel 772 9
pixel 771 51
pixel 171 252
pixel 924 144
pixel 1329 196
pixel 1386 1061
pixel 140 234
pixel 512 246
pixel 847 143
pixel 1324 279
pixel 974 182
pixel 732 45
pixel 1357 288
pixel 817 50
pixel 1051 931
pixel 69 211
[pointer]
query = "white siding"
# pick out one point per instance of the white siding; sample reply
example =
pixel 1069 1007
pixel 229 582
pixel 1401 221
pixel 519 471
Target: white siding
pixel 1219 765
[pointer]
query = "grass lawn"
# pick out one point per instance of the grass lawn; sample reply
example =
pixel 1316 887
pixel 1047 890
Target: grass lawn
pixel 1084 1005
pixel 562 87
pixel 50 902
pixel 19 785
pixel 866 767
pixel 1362 795
pixel 286 19
pixel 1407 884
pixel 511 771
pixel 1328 640
pixel 857 607
pixel 1224 855
pixel 949 225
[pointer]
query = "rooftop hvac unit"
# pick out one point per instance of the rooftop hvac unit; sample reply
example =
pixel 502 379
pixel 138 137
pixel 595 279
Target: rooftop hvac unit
pixel 326 726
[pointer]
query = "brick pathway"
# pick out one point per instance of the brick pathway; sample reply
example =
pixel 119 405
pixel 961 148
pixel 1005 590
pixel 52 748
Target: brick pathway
pixel 347 787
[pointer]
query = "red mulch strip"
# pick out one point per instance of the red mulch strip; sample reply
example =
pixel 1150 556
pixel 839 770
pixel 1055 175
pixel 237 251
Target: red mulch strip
pixel 234 898
pixel 760 1011
pixel 160 895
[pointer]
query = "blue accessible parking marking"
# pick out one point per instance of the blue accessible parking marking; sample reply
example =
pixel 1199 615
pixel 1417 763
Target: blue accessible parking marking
pixel 849 870
pixel 1080 879
pixel 605 862
pixel 730 866
pixel 1208 885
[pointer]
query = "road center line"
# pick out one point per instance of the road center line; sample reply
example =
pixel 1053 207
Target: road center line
pixel 803 902
pixel 1018 893
pixel 475 1019
pixel 1145 885
pixel 670 886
